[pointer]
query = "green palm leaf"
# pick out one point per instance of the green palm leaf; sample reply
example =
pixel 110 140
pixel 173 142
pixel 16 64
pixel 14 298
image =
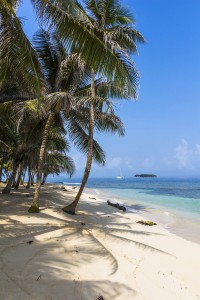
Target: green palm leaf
pixel 75 29
pixel 17 55
pixel 80 139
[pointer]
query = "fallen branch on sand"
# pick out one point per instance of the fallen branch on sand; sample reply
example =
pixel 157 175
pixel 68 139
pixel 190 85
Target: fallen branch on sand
pixel 92 198
pixel 117 205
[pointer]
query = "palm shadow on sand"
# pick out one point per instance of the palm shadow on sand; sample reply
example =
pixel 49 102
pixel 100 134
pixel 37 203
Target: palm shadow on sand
pixel 65 255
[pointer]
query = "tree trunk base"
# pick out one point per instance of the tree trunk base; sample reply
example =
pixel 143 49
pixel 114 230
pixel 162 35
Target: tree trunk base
pixel 6 191
pixel 33 209
pixel 69 209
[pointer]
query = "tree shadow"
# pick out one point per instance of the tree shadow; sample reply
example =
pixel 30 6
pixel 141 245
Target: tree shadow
pixel 66 251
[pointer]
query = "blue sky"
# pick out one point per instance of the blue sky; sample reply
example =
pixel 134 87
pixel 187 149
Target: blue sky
pixel 163 126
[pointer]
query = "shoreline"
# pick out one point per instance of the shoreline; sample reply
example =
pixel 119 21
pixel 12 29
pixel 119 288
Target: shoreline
pixel 172 221
pixel 99 251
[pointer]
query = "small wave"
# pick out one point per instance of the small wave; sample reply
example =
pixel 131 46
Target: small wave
pixel 167 213
pixel 128 208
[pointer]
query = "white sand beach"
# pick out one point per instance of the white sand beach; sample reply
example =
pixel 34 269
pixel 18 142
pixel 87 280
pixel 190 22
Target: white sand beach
pixel 99 251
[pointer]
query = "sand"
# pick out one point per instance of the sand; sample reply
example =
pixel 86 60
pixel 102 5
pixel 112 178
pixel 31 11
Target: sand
pixel 99 251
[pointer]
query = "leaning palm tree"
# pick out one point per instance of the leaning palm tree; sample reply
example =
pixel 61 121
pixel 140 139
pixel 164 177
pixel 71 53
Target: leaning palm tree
pixel 61 72
pixel 105 120
pixel 114 27
pixel 56 160
pixel 66 81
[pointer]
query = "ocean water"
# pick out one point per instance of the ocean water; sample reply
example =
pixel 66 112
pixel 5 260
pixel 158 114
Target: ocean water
pixel 173 202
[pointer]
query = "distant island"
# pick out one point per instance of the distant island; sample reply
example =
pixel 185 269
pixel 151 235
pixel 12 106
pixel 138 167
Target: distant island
pixel 145 175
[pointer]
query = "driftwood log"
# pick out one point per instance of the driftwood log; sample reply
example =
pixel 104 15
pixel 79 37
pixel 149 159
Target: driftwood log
pixel 117 205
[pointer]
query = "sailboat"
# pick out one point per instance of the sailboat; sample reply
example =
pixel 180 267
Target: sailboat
pixel 120 176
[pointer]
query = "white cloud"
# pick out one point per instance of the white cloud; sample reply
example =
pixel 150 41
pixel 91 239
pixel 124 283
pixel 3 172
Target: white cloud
pixel 129 164
pixel 120 162
pixel 197 151
pixel 184 154
pixel 184 158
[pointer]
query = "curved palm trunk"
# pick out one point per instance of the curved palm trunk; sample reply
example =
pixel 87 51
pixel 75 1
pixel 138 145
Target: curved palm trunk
pixel 7 188
pixel 35 205
pixel 71 208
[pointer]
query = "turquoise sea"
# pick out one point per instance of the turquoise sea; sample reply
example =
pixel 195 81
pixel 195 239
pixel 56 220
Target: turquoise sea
pixel 173 202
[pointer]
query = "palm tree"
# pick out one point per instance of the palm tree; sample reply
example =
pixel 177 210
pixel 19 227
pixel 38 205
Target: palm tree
pixel 71 208
pixel 105 120
pixel 74 27
pixel 61 73
pixel 114 26
pixel 16 140
pixel 56 163
pixel 20 140
pixel 76 30
pixel 56 160
pixel 67 83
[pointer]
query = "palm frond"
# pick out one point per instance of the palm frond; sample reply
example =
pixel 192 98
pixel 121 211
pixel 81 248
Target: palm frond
pixel 56 162
pixel 80 139
pixel 16 52
pixel 124 38
pixel 48 55
pixel 78 33
pixel 109 122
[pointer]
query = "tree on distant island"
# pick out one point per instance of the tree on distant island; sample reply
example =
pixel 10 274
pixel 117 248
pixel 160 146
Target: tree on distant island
pixel 145 175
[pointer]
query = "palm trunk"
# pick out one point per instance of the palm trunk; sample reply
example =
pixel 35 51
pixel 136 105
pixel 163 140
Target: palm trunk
pixel 29 178
pixel 71 208
pixel 1 169
pixel 7 189
pixel 23 176
pixel 44 179
pixel 8 174
pixel 35 205
pixel 20 168
pixel 32 178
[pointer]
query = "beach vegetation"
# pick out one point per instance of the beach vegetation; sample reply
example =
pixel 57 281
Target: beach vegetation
pixel 62 82
pixel 68 95
pixel 20 138
pixel 74 28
